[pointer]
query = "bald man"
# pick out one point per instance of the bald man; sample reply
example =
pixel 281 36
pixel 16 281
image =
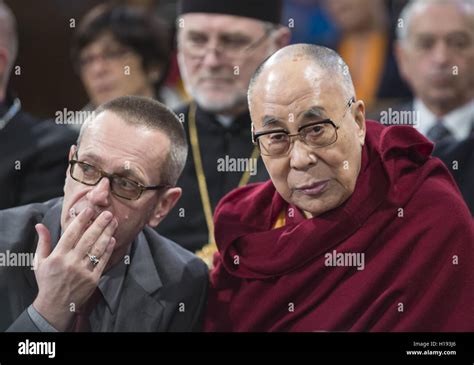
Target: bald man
pixel 341 238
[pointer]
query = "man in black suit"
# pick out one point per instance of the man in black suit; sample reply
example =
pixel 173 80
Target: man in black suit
pixel 435 53
pixel 97 267
pixel 459 158
pixel 32 153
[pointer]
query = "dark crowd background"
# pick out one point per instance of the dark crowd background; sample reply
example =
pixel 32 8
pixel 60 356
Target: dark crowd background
pixel 48 82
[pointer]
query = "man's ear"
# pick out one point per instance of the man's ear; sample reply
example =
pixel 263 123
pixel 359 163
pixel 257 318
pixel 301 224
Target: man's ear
pixel 359 117
pixel 3 63
pixel 154 73
pixel 400 56
pixel 166 202
pixel 283 37
pixel 72 151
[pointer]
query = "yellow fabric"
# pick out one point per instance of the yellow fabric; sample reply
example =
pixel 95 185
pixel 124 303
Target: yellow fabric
pixel 281 220
pixel 366 60
pixel 207 252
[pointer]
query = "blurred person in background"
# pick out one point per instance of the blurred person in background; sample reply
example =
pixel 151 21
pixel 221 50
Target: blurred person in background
pixel 32 152
pixel 220 44
pixel 365 43
pixel 123 50
pixel 435 51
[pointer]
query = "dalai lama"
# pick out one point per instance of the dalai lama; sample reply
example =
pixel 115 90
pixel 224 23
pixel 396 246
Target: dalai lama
pixel 359 229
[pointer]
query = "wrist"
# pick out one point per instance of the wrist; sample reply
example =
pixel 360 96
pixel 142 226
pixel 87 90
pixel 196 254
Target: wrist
pixel 60 317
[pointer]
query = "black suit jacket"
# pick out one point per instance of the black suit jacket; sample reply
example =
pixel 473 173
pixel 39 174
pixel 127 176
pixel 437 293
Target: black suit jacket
pixel 33 159
pixel 180 278
pixel 459 158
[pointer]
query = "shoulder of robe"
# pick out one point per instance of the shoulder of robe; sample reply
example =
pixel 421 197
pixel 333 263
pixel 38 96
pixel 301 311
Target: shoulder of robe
pixel 404 141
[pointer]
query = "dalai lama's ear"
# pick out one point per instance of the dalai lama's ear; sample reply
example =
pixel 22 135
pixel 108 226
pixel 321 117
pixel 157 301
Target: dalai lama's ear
pixel 166 202
pixel 359 117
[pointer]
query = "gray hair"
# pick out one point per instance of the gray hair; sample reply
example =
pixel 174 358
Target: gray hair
pixel 325 58
pixel 142 111
pixel 406 15
pixel 8 38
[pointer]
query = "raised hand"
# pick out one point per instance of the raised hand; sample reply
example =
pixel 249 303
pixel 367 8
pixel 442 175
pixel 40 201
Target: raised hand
pixel 67 276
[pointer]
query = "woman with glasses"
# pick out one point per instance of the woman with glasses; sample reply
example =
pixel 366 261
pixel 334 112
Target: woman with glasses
pixel 122 50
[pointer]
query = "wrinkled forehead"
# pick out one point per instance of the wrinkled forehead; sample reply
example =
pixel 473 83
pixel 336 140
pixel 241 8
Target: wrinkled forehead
pixel 217 24
pixel 291 87
pixel 110 137
pixel 108 127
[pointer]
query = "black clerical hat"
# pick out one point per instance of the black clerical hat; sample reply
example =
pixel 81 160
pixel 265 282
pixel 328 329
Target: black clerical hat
pixel 265 10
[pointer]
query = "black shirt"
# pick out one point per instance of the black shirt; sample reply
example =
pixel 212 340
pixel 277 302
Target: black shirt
pixel 186 223
pixel 33 159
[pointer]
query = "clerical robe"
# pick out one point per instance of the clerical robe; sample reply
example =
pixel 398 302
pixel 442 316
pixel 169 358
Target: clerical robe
pixel 398 255
pixel 186 222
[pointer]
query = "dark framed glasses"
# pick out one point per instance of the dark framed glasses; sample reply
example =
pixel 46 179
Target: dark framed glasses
pixel 120 186
pixel 277 143
pixel 231 46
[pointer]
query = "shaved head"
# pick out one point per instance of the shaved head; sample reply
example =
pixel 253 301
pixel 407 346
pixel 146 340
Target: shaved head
pixel 324 58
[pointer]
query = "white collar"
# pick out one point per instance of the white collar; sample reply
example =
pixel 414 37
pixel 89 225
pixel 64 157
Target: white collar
pixel 11 112
pixel 459 121
pixel 225 120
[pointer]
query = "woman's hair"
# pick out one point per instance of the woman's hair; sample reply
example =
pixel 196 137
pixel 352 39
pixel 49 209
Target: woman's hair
pixel 133 27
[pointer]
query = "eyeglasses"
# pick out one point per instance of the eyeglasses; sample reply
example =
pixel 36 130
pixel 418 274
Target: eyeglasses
pixel 277 143
pixel 120 186
pixel 230 46
pixel 107 55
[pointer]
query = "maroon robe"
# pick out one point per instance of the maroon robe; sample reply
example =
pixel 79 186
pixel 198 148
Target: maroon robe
pixel 405 215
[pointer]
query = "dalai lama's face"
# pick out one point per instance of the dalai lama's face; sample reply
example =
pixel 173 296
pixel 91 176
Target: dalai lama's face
pixel 294 93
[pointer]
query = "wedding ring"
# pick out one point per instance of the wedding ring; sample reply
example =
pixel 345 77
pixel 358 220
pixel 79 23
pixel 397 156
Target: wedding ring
pixel 93 259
